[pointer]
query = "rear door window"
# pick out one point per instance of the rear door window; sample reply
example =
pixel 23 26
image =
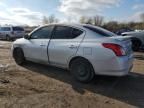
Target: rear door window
pixel 76 33
pixel 62 32
pixel 65 32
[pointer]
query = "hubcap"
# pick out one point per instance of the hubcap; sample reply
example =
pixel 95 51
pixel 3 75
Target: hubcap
pixel 82 70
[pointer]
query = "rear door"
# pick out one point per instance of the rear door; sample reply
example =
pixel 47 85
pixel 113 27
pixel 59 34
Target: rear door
pixel 64 44
pixel 36 47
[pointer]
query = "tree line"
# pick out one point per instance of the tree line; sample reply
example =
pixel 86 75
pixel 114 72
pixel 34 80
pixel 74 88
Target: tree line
pixel 113 26
pixel 100 21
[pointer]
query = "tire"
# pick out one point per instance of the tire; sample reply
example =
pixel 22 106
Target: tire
pixel 82 70
pixel 8 38
pixel 136 44
pixel 19 56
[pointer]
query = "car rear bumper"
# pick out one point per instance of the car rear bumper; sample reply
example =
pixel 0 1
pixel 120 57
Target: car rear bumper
pixel 116 67
pixel 117 72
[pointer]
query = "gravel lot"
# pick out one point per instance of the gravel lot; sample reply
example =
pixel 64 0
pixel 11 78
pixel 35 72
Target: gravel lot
pixel 40 86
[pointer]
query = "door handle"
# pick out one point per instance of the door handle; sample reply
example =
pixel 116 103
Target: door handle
pixel 72 46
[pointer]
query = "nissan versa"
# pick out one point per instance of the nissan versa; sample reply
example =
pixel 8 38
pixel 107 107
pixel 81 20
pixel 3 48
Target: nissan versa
pixel 85 50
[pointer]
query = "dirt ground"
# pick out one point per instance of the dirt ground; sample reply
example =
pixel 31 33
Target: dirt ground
pixel 39 86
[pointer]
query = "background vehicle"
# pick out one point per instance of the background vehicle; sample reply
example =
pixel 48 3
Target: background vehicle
pixel 11 32
pixel 119 32
pixel 137 39
pixel 83 49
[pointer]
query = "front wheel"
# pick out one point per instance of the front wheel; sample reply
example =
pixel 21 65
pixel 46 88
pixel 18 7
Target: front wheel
pixel 82 70
pixel 19 56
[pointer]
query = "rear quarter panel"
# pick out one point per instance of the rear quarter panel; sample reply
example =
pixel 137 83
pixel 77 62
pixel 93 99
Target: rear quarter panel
pixel 102 59
pixel 97 55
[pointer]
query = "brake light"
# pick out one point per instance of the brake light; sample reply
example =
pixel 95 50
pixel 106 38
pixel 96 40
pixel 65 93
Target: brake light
pixel 117 49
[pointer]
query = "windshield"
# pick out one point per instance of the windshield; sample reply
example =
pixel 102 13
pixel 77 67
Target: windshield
pixel 100 31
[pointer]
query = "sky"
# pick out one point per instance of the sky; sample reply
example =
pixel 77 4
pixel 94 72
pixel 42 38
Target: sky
pixel 31 12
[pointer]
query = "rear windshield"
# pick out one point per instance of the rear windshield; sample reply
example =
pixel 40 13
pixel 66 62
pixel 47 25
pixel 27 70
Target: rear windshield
pixel 100 31
pixel 18 29
pixel 5 29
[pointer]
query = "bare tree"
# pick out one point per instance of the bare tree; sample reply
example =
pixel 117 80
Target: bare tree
pixel 83 19
pixel 112 26
pixel 90 20
pixel 52 19
pixel 96 20
pixel 45 20
pixel 49 20
pixel 86 20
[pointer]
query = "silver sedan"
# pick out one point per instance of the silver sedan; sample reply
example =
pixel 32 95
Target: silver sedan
pixel 85 50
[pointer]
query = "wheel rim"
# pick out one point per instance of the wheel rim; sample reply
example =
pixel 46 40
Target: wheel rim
pixel 82 71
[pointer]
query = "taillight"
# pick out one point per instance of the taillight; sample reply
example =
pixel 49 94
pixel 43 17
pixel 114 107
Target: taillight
pixel 117 49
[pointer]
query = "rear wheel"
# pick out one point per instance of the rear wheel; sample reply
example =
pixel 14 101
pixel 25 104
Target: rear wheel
pixel 8 38
pixel 19 56
pixel 82 70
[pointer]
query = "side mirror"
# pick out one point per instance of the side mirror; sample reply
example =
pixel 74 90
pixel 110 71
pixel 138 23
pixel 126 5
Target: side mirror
pixel 27 37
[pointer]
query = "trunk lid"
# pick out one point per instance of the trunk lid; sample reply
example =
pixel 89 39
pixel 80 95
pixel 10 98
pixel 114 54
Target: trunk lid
pixel 121 38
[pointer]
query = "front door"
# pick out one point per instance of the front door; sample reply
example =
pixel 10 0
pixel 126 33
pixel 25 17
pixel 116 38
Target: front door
pixel 36 48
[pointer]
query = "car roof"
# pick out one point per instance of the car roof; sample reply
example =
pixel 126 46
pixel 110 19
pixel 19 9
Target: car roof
pixel 70 24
